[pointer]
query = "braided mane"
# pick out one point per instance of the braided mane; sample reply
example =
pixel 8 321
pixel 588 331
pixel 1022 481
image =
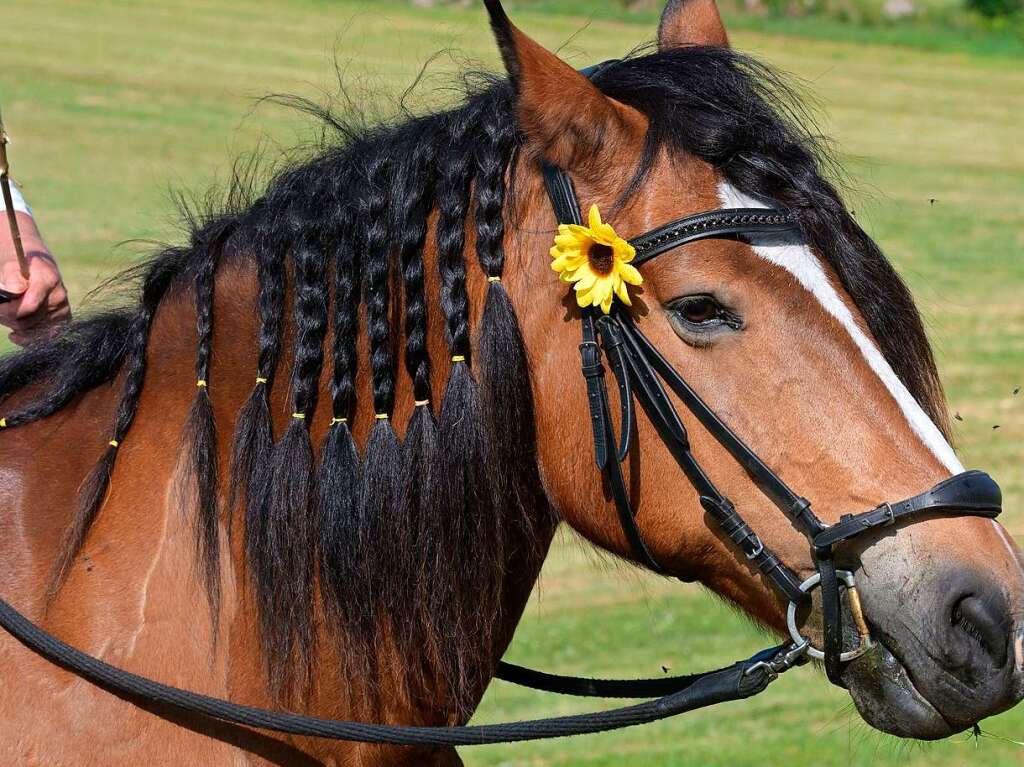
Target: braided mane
pixel 411 543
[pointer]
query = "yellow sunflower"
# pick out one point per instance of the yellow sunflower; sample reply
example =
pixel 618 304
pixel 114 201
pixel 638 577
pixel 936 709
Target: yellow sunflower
pixel 597 260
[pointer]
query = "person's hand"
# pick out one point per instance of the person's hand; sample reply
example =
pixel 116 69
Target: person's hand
pixel 40 304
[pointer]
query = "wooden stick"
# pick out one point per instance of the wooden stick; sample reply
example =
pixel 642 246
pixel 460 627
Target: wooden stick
pixel 12 216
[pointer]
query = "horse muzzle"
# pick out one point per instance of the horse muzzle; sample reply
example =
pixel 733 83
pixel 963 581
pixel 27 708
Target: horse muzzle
pixel 946 653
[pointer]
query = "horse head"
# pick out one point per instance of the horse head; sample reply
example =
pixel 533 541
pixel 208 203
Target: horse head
pixel 809 347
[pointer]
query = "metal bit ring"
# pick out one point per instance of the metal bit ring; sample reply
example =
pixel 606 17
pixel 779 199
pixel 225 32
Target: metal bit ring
pixel 855 608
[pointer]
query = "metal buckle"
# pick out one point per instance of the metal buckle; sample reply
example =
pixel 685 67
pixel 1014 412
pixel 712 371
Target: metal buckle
pixel 865 644
pixel 758 549
pixel 889 514
pixel 783 661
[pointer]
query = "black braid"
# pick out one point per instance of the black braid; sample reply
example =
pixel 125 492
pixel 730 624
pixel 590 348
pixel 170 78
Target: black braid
pixel 339 482
pixel 289 517
pixel 413 215
pixel 458 487
pixel 489 192
pixel 377 287
pixel 158 280
pixel 347 281
pixel 383 462
pixel 253 439
pixel 199 438
pixel 457 167
pixel 503 365
pixel 413 577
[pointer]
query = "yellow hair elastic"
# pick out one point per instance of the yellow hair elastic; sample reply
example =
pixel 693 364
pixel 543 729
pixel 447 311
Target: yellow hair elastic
pixel 114 443
pixel 381 416
pixel 3 423
pixel 260 380
pixel 458 358
pixel 336 421
pixel 494 279
pixel 201 383
pixel 421 402
pixel 299 416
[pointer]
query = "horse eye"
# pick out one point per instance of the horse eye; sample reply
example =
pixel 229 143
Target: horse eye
pixel 699 309
pixel 700 319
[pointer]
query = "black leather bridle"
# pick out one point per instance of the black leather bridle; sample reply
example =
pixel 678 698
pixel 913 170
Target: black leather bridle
pixel 640 370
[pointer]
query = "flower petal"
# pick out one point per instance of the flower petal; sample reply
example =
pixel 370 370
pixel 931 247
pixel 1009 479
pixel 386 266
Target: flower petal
pixel 622 291
pixel 630 274
pixel 570 240
pixel 623 250
pixel 585 281
pixel 602 291
pixel 567 260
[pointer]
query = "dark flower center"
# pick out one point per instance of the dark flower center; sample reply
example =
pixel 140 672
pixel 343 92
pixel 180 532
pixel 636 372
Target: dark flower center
pixel 602 258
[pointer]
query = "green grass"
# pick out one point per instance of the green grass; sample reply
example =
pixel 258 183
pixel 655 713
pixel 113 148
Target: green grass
pixel 113 102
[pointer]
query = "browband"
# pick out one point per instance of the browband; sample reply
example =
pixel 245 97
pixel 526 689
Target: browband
pixel 720 224
pixel 717 224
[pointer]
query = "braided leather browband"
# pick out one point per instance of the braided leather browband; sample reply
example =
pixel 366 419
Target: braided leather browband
pixel 718 224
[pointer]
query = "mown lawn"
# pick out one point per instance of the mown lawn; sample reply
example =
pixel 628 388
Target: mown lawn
pixel 113 103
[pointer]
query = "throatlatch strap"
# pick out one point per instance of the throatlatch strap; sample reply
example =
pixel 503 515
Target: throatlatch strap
pixel 562 194
pixel 612 468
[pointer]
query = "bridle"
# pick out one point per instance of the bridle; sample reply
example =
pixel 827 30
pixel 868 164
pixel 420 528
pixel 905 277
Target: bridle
pixel 639 370
pixel 641 374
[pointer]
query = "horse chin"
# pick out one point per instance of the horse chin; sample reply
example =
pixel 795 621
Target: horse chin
pixel 886 698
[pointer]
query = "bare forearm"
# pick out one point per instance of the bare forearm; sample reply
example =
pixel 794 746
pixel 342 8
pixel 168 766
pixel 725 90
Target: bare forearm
pixel 39 304
pixel 31 239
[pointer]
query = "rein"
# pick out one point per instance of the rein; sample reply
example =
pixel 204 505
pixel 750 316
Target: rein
pixel 641 374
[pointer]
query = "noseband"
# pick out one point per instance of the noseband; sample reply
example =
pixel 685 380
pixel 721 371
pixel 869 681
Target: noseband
pixel 639 371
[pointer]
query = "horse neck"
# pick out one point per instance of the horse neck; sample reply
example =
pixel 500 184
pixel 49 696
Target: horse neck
pixel 139 560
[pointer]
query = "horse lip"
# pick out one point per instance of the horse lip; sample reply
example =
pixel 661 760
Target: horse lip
pixel 887 698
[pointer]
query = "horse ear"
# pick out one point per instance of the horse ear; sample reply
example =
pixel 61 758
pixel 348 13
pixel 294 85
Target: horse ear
pixel 567 121
pixel 691 22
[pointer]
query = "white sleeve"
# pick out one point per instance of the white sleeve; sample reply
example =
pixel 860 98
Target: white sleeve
pixel 19 201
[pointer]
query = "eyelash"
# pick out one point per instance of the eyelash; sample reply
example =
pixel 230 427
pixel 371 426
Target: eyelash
pixel 717 315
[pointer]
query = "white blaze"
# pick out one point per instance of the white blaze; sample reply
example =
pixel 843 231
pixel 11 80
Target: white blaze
pixel 798 260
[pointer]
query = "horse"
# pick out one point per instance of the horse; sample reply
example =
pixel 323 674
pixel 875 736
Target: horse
pixel 232 486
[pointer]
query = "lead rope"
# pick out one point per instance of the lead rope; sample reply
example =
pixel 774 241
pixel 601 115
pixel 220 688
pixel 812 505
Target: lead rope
pixel 736 682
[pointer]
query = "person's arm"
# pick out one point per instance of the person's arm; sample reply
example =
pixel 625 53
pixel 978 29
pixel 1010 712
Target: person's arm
pixel 40 304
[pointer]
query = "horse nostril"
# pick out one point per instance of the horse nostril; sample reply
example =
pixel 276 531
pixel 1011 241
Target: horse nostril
pixel 982 620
